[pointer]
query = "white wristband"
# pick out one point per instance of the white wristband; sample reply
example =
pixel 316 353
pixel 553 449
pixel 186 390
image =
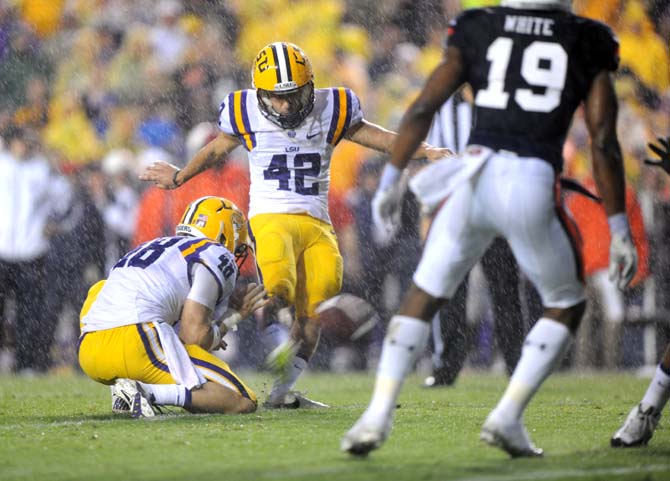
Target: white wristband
pixel 216 337
pixel 232 320
pixel 390 176
pixel 619 224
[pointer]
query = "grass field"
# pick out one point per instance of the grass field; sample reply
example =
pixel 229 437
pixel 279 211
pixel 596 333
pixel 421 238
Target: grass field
pixel 60 428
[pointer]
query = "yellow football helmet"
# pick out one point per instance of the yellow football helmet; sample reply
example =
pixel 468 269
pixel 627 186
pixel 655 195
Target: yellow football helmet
pixel 218 219
pixel 282 70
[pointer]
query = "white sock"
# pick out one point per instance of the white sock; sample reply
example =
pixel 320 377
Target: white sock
pixel 543 349
pixel 405 341
pixel 273 336
pixel 282 386
pixel 170 394
pixel 658 392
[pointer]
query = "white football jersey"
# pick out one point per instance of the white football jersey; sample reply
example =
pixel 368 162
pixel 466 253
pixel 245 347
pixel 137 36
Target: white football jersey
pixel 290 168
pixel 151 282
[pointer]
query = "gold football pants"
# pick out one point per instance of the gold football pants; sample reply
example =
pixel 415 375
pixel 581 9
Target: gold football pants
pixel 135 352
pixel 298 259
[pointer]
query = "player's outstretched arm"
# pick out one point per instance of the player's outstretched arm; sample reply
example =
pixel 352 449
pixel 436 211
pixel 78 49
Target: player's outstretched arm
pixel 168 176
pixel 378 138
pixel 408 143
pixel 662 150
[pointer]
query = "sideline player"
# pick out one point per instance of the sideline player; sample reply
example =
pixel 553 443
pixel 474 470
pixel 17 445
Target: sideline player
pixel 641 422
pixel 289 129
pixel 530 64
pixel 128 320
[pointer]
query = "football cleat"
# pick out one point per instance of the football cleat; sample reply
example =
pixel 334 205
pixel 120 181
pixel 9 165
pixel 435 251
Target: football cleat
pixel 510 437
pixel 295 400
pixel 638 428
pixel 120 403
pixel 136 398
pixel 366 435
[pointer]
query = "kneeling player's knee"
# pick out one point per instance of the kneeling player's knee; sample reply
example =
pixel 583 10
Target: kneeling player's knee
pixel 216 398
pixel 244 406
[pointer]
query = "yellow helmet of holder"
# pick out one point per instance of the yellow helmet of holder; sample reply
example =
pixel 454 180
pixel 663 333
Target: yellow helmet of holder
pixel 218 219
pixel 282 69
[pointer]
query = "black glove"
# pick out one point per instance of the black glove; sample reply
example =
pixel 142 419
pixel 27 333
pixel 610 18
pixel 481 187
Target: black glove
pixel 663 152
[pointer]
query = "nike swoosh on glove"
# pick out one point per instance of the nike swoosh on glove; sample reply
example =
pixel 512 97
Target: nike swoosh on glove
pixel 623 260
pixel 386 211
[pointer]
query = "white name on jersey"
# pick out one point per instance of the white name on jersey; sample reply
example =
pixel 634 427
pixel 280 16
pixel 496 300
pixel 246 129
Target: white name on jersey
pixel 529 25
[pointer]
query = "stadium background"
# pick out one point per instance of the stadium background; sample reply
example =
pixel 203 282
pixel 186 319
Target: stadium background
pixel 102 88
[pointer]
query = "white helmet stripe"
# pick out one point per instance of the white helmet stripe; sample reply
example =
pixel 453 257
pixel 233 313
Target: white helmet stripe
pixel 289 73
pixel 281 62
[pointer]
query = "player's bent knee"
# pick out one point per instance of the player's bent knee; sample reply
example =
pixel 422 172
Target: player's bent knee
pixel 570 316
pixel 420 304
pixel 245 406
pixel 238 405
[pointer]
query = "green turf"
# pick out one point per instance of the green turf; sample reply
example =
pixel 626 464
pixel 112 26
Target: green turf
pixel 60 428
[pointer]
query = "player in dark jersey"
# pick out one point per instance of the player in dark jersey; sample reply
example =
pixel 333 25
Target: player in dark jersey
pixel 529 69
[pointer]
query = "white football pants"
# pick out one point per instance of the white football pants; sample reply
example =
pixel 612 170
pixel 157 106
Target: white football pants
pixel 513 197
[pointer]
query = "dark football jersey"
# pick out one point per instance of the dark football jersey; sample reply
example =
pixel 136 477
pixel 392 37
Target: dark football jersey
pixel 529 70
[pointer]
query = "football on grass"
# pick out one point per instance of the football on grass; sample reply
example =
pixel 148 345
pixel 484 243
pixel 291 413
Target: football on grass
pixel 346 317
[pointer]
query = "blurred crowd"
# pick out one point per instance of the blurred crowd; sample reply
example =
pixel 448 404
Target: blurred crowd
pixel 93 91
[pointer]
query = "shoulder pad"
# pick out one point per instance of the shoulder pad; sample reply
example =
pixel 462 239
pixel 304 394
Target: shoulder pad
pixel 235 116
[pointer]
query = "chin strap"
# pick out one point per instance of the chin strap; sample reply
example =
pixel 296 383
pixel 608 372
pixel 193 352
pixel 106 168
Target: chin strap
pixel 241 256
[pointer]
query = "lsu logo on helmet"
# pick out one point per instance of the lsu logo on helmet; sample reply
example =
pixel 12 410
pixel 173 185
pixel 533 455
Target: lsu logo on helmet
pixel 282 70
